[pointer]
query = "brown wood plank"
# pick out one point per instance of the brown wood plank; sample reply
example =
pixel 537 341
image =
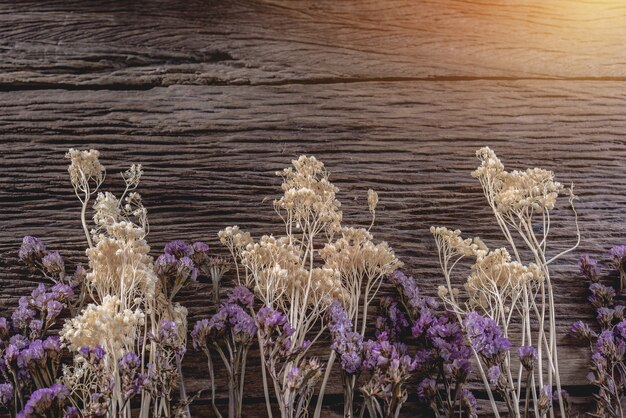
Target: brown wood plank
pixel 210 154
pixel 141 44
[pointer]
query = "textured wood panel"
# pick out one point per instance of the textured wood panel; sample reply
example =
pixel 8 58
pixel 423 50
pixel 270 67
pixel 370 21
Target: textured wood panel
pixel 393 95
pixel 140 44
pixel 210 154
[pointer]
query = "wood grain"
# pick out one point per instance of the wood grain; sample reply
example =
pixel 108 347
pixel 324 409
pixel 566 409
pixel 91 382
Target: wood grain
pixel 210 154
pixel 212 97
pixel 141 44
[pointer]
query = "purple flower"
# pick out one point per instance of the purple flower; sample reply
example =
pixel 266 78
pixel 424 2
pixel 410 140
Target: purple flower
pixel 485 336
pixel 4 328
pixel 338 318
pixel 54 309
pixel 407 285
pixel 427 390
pixel 132 380
pixel 293 378
pixel 178 249
pixel 601 295
pixel 186 269
pixel 493 374
pixel 79 275
pixel 581 330
pixel 52 346
pixel 545 398
pixel 393 322
pixel 620 330
pixel 21 318
pixel 527 355
pixel 241 296
pixel 200 252
pixel 43 400
pixel 62 292
pixel 32 250
pixel 6 394
pixel 269 318
pixel 93 355
pixel 71 412
pixel 618 255
pixel 605 316
pixel 589 267
pixel 53 263
pixel 468 403
pixel 200 333
pixel 165 265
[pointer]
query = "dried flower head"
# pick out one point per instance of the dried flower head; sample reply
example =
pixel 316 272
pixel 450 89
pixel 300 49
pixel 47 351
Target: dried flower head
pixel 85 169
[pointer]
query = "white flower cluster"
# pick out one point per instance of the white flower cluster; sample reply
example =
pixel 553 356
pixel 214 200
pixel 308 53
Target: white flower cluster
pixel 106 325
pixel 85 168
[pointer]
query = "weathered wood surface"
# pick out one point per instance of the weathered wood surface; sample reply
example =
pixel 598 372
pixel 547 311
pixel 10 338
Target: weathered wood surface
pixel 395 96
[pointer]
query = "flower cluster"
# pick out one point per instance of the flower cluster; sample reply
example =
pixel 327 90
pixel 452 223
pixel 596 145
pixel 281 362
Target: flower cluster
pixel 230 332
pixel 176 266
pixel 608 347
pixel 34 254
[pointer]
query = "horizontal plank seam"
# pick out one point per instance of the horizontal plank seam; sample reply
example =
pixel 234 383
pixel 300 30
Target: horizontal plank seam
pixel 21 86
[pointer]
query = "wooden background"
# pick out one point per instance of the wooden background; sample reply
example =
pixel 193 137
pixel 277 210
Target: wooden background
pixel 213 97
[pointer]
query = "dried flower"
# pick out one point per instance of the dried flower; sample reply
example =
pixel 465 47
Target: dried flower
pixel 32 251
pixel 527 355
pixel 589 267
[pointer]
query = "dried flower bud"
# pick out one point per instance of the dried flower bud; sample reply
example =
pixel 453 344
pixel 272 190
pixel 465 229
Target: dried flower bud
pixel 372 200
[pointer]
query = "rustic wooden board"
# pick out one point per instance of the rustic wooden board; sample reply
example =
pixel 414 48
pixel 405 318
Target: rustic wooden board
pixel 210 154
pixel 393 95
pixel 140 44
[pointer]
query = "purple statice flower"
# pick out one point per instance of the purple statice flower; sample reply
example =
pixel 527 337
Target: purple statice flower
pixel 32 250
pixel 446 338
pixel 338 318
pixel 619 330
pixel 93 355
pixel 380 352
pixel 605 316
pixel 407 286
pixel 132 380
pixel 459 369
pixel 486 336
pixel 71 412
pixel 427 390
pixel 468 402
pixel 6 394
pixel 581 330
pixel 200 253
pixel 62 292
pixel 527 355
pixel 165 265
pixel 393 322
pixel 545 399
pixel 53 308
pixel 423 323
pixel 35 327
pixel 618 256
pixel 493 374
pixel 42 401
pixel 53 263
pixel 241 296
pixel 178 249
pixel 608 347
pixel 79 276
pixel 589 267
pixel 186 269
pixel 347 344
pixel 293 378
pixel 269 318
pixel 234 318
pixel 52 347
pixel 200 333
pixel 21 318
pixel 601 295
pixel 4 328
pixel 168 332
pixel 32 357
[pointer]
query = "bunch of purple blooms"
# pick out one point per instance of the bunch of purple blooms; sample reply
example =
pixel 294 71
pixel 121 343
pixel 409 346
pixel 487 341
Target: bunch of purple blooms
pixel 175 266
pixel 31 358
pixel 348 345
pixel 442 358
pixel 230 332
pixel 293 375
pixel 608 347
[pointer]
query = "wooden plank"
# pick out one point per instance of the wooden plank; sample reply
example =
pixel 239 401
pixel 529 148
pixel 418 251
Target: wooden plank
pixel 138 45
pixel 210 154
